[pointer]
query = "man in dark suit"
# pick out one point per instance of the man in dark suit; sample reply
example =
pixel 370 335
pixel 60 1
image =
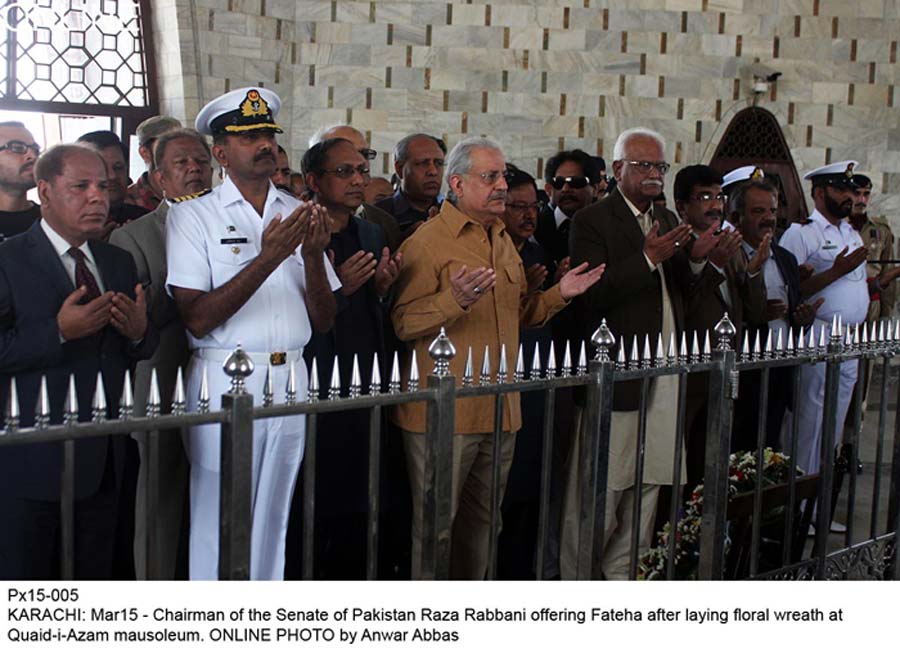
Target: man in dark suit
pixel 732 283
pixel 336 174
pixel 640 295
pixel 570 179
pixel 419 165
pixel 753 206
pixel 69 305
pixel 392 229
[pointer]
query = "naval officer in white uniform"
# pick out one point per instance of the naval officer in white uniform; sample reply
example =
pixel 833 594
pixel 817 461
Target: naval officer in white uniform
pixel 239 275
pixel 828 243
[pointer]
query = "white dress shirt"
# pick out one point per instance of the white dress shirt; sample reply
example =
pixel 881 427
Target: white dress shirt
pixel 62 249
pixel 776 288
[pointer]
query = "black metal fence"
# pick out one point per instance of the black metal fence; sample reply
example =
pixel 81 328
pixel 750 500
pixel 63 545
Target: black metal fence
pixel 873 557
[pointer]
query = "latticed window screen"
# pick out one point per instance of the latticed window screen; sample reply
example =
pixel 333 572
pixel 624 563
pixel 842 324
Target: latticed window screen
pixel 754 134
pixel 74 52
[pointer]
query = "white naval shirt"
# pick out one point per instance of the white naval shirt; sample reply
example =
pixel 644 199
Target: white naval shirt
pixel 210 239
pixel 818 243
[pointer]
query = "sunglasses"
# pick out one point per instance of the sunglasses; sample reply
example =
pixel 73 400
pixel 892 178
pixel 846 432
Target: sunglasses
pixel 575 182
pixel 369 154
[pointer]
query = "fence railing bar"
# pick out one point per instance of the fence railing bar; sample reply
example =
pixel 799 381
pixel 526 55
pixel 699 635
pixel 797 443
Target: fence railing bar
pixel 829 431
pixel 151 499
pixel 235 493
pixel 496 495
pixel 345 404
pixel 853 442
pixel 756 530
pixel 639 457
pixel 530 385
pixel 675 501
pixel 879 449
pixel 543 532
pixel 437 499
pixel 893 518
pixel 308 567
pixel 85 430
pixel 374 509
pixel 67 511
pixel 718 438
pixel 787 552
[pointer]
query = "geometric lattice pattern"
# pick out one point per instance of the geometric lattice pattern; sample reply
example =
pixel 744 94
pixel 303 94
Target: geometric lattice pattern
pixel 753 135
pixel 76 51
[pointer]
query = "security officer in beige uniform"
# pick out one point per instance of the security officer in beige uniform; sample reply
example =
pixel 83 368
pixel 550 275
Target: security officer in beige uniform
pixel 877 236
pixel 239 275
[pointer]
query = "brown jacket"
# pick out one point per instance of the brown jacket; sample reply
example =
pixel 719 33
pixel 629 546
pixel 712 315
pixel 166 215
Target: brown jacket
pixel 424 303
pixel 705 304
pixel 629 295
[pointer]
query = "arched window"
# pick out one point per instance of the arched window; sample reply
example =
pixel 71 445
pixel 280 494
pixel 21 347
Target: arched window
pixel 81 57
pixel 754 138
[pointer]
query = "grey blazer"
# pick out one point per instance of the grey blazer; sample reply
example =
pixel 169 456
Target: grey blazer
pixel 145 239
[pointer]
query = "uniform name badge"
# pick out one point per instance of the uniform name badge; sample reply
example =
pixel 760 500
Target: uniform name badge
pixel 829 246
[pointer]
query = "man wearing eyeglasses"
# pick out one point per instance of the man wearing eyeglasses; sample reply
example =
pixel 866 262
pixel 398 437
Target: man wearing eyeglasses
pixel 639 296
pixel 18 153
pixel 461 271
pixel 366 210
pixel 336 174
pixel 837 254
pixel 247 265
pixel 727 282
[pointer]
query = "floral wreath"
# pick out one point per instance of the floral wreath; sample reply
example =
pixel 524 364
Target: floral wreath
pixel 741 479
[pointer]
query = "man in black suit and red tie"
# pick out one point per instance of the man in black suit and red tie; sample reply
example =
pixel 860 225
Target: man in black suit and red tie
pixel 69 305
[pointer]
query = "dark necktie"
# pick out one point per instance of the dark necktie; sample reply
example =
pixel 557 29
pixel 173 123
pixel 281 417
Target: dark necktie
pixel 84 277
pixel 564 238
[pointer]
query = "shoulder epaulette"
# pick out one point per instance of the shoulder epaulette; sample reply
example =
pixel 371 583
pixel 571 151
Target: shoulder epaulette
pixel 804 221
pixel 188 197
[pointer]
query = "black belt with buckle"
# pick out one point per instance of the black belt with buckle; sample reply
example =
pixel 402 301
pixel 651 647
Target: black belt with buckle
pixel 278 358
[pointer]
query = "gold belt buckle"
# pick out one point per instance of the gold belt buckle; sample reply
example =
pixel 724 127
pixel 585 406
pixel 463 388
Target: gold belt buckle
pixel 278 358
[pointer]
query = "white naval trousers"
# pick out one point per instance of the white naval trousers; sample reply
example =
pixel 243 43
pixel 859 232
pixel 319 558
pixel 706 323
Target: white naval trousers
pixel 277 452
pixel 811 408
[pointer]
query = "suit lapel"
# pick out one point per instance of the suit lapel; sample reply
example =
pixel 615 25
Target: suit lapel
pixel 53 267
pixel 788 276
pixel 106 267
pixel 627 220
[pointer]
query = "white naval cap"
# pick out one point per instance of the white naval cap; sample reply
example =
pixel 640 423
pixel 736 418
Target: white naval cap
pixel 239 111
pixel 748 172
pixel 837 173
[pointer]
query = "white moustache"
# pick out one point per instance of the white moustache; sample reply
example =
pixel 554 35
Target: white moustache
pixel 655 183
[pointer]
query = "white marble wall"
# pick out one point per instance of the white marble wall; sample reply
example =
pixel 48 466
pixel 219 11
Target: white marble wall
pixel 541 75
